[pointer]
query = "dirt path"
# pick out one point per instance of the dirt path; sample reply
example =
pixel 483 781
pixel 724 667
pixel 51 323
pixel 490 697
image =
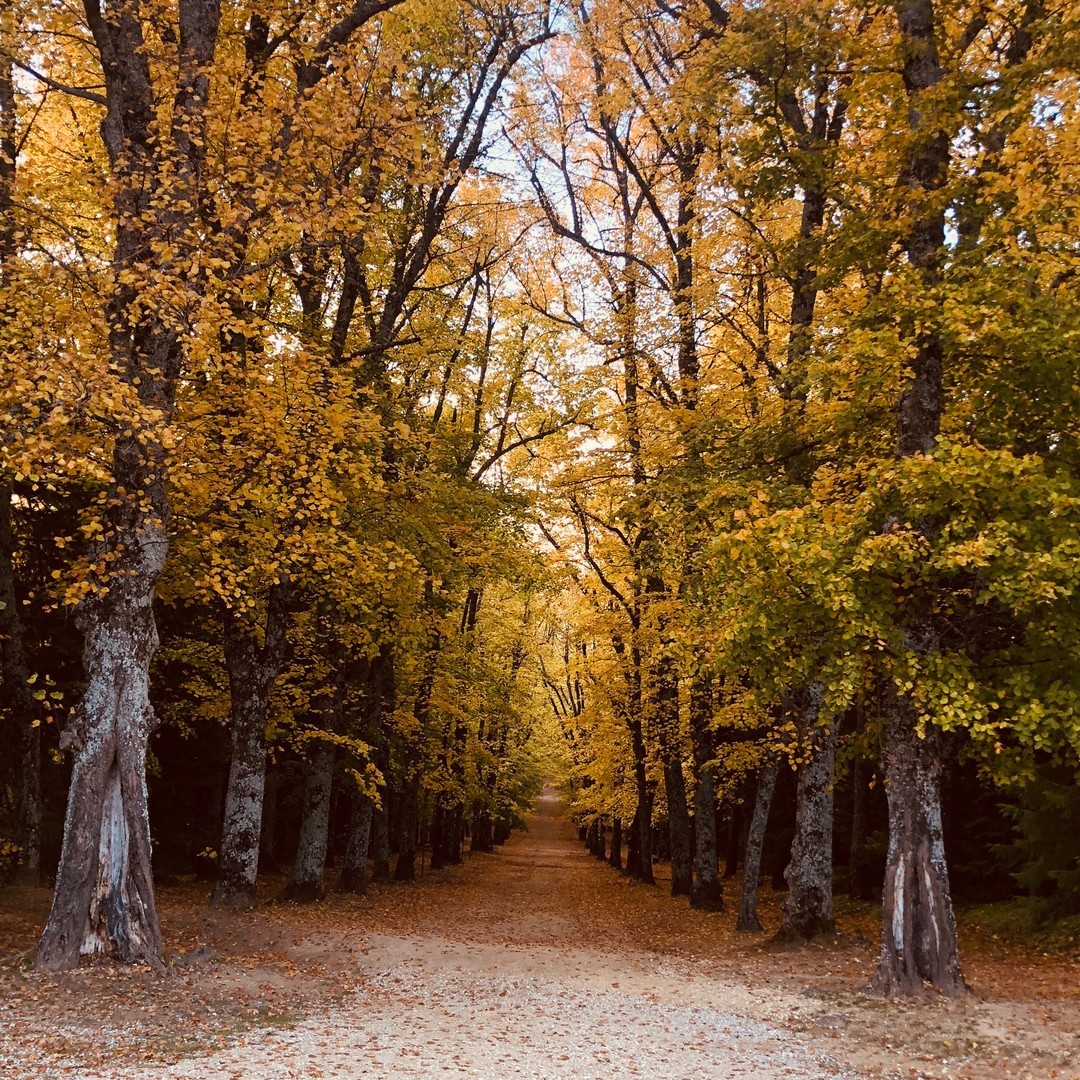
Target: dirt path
pixel 535 961
pixel 510 987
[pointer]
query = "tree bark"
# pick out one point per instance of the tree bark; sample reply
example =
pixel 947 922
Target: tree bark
pixel 306 885
pixel 678 828
pixel 708 891
pixel 667 725
pixel 253 669
pixel 103 903
pixel 919 940
pixel 748 917
pixel 354 870
pixel 808 909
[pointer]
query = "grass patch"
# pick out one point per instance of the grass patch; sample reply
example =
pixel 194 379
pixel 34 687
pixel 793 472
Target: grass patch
pixel 1023 922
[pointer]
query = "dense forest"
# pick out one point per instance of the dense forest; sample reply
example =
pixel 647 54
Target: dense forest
pixel 407 401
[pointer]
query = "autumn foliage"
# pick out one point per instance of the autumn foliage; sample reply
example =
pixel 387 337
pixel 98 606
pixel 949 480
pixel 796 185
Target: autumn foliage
pixel 406 402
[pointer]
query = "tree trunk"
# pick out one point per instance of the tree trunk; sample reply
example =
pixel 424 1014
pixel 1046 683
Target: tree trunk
pixel 667 724
pixel 17 699
pixel 615 858
pixel 104 897
pixel 678 828
pixel 306 885
pixel 354 866
pixel 708 892
pixel 103 903
pixel 808 909
pixel 253 668
pixel 748 917
pixel 918 924
pixel 919 932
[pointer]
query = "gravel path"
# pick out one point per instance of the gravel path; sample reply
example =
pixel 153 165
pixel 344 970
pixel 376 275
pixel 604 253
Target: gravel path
pixel 534 1005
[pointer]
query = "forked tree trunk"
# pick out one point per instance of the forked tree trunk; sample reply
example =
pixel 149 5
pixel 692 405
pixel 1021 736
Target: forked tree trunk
pixel 253 669
pixel 306 885
pixel 808 909
pixel 748 920
pixel 104 897
pixel 354 868
pixel 103 903
pixel 919 933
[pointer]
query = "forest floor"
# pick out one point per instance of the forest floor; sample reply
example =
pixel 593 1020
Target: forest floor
pixel 536 961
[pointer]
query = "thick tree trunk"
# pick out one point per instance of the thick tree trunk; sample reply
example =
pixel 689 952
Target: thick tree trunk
pixel 104 897
pixel 748 917
pixel 919 931
pixel 678 828
pixel 918 925
pixel 306 885
pixel 103 903
pixel 354 866
pixel 17 700
pixel 615 858
pixel 253 668
pixel 808 909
